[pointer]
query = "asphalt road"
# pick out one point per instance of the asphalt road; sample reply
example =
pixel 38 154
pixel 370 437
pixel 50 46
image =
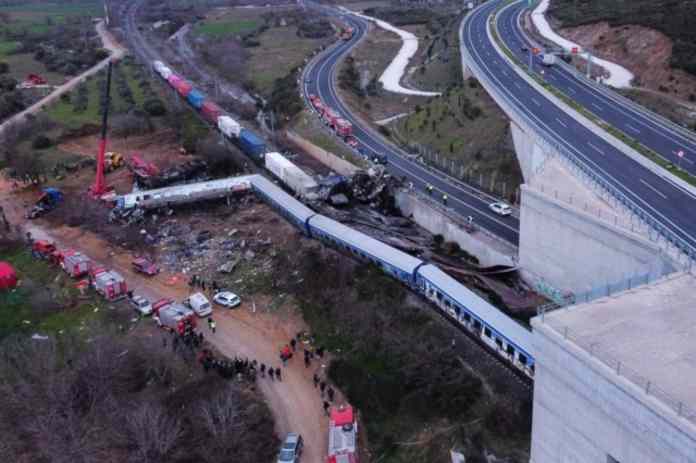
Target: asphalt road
pixel 670 205
pixel 648 128
pixel 462 199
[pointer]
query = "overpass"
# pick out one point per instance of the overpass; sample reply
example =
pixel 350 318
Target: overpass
pixel 558 145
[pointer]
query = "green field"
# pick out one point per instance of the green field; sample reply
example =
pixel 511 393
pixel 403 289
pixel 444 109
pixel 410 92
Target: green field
pixel 45 301
pixel 218 29
pixel 64 111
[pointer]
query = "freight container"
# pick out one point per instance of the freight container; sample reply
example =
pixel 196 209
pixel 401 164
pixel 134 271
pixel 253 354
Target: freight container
pixel 211 112
pixel 75 264
pixel 183 87
pixel 291 175
pixel 174 80
pixel 196 98
pixel 343 128
pixel 251 144
pixel 229 127
pixel 111 285
pixel 165 72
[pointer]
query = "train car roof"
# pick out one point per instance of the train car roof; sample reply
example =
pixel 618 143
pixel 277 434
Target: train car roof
pixel 293 206
pixel 500 322
pixel 367 244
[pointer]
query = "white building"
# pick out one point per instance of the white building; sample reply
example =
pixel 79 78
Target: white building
pixel 616 378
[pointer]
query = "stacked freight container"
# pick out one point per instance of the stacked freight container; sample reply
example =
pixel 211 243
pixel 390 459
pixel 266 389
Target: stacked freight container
pixel 211 112
pixel 196 98
pixel 251 144
pixel 229 127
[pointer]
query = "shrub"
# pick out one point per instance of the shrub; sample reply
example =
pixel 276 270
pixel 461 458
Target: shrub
pixel 41 142
pixel 155 107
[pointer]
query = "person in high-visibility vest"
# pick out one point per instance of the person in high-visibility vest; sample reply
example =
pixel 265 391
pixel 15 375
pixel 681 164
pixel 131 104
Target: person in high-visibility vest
pixel 444 199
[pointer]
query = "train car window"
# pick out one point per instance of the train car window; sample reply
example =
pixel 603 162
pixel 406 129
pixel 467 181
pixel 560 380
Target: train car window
pixel 439 296
pixel 457 310
pixel 522 358
pixel 510 350
pixel 499 342
pixel 447 303
pixel 467 317
pixel 477 324
pixel 487 332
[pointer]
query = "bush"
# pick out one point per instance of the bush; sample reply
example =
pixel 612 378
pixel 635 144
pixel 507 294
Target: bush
pixel 41 142
pixel 154 107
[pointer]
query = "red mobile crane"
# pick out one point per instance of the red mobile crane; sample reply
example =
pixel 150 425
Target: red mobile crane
pixel 99 187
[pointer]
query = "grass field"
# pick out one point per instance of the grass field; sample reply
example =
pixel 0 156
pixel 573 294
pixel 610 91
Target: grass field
pixel 218 29
pixel 64 111
pixel 34 17
pixel 281 51
pixel 46 300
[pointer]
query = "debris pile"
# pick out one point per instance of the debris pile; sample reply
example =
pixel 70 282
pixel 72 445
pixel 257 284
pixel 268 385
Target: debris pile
pixel 193 170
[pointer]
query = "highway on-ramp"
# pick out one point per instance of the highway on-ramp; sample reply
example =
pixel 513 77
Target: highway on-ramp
pixel 319 79
pixel 670 206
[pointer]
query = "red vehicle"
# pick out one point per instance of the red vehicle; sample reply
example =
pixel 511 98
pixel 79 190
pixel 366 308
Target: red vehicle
pixel 111 285
pixel 75 264
pixel 352 141
pixel 347 33
pixel 211 112
pixel 141 167
pixel 42 249
pixel 343 128
pixel 164 302
pixel 144 266
pixel 343 435
pixel 330 116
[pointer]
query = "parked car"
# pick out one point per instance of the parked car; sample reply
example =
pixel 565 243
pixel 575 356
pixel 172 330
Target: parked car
pixel 199 304
pixel 227 299
pixel 291 450
pixel 141 304
pixel 145 266
pixel 500 208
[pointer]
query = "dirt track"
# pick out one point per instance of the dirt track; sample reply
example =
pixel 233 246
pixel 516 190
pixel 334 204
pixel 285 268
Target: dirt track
pixel 108 42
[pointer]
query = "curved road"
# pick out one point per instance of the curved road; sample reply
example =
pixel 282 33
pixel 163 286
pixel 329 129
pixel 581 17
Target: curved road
pixel 465 200
pixel 670 205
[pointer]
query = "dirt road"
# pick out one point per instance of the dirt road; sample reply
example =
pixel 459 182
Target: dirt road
pixel 250 331
pixel 108 42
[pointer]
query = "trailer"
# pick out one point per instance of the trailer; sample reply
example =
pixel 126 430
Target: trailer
pixel 111 285
pixel 291 175
pixel 229 127
pixel 75 263
pixel 196 98
pixel 211 112
pixel 251 144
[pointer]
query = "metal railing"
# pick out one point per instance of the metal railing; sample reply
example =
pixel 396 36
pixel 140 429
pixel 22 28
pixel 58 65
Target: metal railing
pixel 551 145
pixel 649 387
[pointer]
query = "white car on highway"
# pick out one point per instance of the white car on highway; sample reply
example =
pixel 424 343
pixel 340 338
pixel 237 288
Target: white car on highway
pixel 500 208
pixel 227 299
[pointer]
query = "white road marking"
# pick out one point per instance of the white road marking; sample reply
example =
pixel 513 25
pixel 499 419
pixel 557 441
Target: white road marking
pixel 653 188
pixel 561 122
pixel 595 148
pixel 571 90
pixel 536 102
pixel 634 129
pixel 518 85
pixel 597 106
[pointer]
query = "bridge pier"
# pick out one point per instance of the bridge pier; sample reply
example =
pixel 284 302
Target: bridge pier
pixel 573 240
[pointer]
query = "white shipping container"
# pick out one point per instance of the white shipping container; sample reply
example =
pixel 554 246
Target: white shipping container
pixel 291 175
pixel 229 127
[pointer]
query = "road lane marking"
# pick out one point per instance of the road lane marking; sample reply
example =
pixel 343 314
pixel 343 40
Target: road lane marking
pixel 536 102
pixel 571 90
pixel 561 122
pixel 597 106
pixel 634 129
pixel 653 188
pixel 518 85
pixel 595 148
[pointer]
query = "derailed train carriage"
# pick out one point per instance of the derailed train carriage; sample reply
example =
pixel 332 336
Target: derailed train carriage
pixel 508 338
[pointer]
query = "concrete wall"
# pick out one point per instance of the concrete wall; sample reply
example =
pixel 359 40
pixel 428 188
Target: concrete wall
pixel 338 165
pixel 584 411
pixel 486 249
pixel 574 251
pixel 529 154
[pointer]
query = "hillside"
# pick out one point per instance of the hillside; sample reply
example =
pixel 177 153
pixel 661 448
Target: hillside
pixel 674 18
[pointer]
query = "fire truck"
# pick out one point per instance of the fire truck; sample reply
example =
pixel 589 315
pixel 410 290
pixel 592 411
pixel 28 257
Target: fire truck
pixel 343 435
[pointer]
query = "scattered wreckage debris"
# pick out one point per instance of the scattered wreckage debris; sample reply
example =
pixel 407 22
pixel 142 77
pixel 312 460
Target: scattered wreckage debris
pixel 50 199
pixel 147 175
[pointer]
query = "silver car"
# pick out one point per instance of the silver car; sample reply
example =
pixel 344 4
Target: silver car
pixel 292 449
pixel 227 299
pixel 141 305
pixel 501 209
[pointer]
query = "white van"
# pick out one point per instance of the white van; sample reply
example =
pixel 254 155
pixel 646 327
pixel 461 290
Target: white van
pixel 199 304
